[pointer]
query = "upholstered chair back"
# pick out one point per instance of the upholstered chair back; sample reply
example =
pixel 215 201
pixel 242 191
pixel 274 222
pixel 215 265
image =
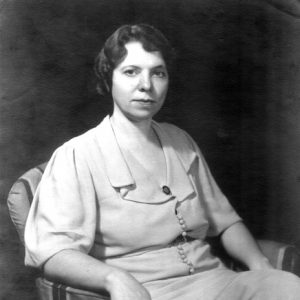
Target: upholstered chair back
pixel 21 196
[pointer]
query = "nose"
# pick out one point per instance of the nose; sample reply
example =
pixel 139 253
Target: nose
pixel 145 83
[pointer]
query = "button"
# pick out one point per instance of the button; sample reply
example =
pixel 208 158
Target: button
pixel 166 190
pixel 192 270
pixel 184 233
pixel 179 215
pixel 185 260
pixel 183 226
pixel 181 221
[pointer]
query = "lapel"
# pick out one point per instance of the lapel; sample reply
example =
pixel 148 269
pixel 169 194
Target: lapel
pixel 147 191
pixel 179 159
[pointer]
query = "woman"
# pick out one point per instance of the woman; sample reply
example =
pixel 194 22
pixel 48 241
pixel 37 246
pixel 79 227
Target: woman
pixel 126 207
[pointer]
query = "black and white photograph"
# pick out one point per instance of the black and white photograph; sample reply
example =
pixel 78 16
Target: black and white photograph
pixel 149 149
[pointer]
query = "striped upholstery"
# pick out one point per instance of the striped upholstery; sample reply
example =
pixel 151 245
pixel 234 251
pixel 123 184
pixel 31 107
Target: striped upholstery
pixel 282 256
pixel 53 291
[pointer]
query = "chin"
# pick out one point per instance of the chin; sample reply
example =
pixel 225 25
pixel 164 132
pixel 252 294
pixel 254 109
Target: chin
pixel 139 117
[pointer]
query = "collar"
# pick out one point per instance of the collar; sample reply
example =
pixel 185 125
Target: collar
pixel 120 177
pixel 115 165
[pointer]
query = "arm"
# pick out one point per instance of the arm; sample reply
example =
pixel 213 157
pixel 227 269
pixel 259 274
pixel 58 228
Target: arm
pixel 239 244
pixel 78 269
pixel 61 227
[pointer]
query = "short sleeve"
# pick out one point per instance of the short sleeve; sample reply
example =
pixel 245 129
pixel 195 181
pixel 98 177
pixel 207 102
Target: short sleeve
pixel 219 212
pixel 63 212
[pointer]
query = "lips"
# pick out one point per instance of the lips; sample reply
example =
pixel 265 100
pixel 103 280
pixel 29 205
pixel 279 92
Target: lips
pixel 144 100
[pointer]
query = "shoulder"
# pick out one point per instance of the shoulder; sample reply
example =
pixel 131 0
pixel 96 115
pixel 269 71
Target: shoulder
pixel 89 138
pixel 180 138
pixel 82 143
pixel 183 144
pixel 84 149
pixel 71 155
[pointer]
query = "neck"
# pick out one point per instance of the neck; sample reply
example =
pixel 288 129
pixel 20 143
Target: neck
pixel 129 130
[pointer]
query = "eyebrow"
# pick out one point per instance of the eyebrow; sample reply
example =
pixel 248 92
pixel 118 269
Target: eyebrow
pixel 160 66
pixel 135 66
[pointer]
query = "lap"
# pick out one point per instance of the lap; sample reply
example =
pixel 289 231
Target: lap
pixel 226 284
pixel 262 285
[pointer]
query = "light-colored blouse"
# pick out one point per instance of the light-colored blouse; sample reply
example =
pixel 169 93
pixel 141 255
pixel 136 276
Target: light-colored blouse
pixel 88 200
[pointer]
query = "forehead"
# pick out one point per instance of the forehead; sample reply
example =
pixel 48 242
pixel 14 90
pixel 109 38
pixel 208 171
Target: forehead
pixel 138 56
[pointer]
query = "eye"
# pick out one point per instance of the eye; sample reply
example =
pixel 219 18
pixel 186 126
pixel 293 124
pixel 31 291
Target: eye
pixel 131 72
pixel 160 73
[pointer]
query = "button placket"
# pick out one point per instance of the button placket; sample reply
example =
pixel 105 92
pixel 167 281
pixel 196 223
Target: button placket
pixel 180 249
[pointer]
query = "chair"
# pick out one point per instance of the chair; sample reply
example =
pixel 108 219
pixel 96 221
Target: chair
pixel 282 256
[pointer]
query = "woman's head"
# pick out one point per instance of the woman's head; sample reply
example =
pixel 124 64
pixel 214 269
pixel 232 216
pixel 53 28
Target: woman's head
pixel 114 51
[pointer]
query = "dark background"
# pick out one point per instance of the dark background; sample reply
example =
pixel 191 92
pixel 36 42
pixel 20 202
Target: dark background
pixel 236 90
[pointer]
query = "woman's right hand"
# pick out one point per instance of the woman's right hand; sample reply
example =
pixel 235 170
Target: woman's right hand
pixel 123 286
pixel 89 273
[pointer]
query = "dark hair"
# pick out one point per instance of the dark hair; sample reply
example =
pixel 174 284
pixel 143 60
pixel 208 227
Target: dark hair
pixel 114 51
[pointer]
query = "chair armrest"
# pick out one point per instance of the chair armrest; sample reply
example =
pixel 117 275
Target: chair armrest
pixel 282 256
pixel 48 290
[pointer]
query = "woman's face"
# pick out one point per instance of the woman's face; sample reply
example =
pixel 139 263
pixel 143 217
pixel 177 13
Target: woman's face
pixel 139 83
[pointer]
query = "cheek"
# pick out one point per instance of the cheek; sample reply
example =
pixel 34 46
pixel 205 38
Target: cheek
pixel 122 85
pixel 162 88
pixel 117 87
pixel 117 94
